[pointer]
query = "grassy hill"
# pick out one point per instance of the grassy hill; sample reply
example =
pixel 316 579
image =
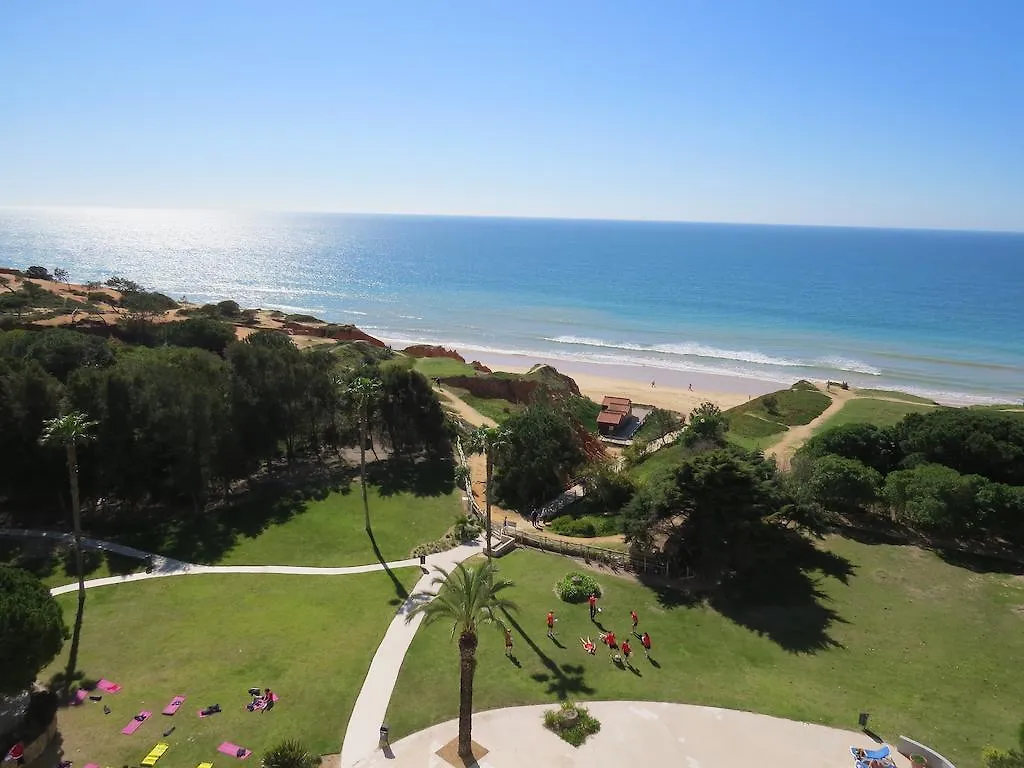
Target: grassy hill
pixel 881 413
pixel 755 424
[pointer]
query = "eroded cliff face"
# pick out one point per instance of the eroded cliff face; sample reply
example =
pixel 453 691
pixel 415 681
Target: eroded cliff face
pixel 336 332
pixel 518 389
pixel 429 350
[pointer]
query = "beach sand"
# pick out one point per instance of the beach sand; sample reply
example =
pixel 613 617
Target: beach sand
pixel 671 390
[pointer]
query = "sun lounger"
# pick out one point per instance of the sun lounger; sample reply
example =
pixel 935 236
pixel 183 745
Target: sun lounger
pixel 871 754
pixel 205 765
pixel 81 696
pixel 137 721
pixel 234 750
pixel 176 702
pixel 155 754
pixel 107 686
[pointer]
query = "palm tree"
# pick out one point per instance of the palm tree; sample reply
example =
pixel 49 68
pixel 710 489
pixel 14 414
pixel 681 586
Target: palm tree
pixel 69 430
pixel 487 440
pixel 469 598
pixel 364 389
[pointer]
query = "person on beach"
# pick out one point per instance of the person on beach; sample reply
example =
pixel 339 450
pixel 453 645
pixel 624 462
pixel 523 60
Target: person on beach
pixel 645 641
pixel 636 620
pixel 652 384
pixel 508 642
pixel 593 605
pixel 691 387
pixel 588 646
pixel 551 624
pixel 626 650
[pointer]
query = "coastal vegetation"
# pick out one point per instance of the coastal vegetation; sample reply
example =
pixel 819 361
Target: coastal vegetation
pixel 881 413
pixel 948 472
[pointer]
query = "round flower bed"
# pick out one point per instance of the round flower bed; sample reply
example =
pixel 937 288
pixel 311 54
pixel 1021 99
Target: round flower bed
pixel 571 722
pixel 576 587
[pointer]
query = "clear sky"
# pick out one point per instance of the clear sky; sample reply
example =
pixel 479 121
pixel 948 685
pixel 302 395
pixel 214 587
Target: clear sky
pixel 871 112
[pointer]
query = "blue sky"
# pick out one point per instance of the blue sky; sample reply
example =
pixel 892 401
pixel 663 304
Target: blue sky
pixel 887 112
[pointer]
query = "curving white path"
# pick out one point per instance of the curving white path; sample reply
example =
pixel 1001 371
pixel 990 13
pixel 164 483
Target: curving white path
pixel 371 707
pixel 638 733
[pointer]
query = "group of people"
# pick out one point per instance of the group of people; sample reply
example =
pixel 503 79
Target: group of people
pixel 621 652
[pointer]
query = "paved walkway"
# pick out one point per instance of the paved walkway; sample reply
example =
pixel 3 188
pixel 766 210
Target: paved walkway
pixel 638 733
pixel 370 710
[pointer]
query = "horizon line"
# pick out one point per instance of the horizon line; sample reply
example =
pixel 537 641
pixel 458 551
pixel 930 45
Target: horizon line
pixel 510 217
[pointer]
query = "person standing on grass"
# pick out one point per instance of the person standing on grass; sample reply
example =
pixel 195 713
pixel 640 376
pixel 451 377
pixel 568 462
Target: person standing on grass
pixel 551 624
pixel 508 642
pixel 645 641
pixel 626 650
pixel 636 620
pixel 593 605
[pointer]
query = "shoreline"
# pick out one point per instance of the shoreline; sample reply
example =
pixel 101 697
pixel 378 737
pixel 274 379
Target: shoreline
pixel 672 390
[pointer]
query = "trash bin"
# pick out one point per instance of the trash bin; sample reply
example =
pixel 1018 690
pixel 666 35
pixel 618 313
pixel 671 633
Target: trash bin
pixel 423 559
pixel 384 734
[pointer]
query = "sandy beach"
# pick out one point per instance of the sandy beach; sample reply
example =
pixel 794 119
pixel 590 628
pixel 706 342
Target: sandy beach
pixel 675 390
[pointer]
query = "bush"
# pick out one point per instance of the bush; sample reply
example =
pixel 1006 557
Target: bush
pixel 38 273
pixel 465 529
pixel 575 587
pixel 586 526
pixel 290 754
pixel 571 722
pixel 299 318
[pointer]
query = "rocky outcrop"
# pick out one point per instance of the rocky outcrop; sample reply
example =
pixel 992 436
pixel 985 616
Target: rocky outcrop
pixel 553 379
pixel 430 350
pixel 478 366
pixel 516 390
pixel 336 332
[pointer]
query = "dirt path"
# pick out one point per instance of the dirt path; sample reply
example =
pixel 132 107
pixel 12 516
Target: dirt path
pixel 794 437
pixel 466 411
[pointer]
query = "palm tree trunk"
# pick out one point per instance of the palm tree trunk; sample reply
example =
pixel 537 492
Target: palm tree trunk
pixel 467 653
pixel 487 501
pixel 76 521
pixel 362 465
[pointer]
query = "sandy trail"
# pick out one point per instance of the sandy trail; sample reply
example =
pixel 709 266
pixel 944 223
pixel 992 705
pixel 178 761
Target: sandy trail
pixel 794 437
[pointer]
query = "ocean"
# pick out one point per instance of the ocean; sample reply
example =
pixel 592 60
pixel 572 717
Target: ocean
pixel 936 313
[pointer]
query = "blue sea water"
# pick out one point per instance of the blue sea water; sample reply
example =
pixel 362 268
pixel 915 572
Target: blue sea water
pixel 933 312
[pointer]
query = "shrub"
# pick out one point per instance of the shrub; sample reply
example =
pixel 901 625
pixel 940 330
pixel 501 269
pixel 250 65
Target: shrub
pixel 586 526
pixel 575 587
pixel 300 318
pixel 38 273
pixel 571 722
pixel 100 297
pixel 290 754
pixel 465 528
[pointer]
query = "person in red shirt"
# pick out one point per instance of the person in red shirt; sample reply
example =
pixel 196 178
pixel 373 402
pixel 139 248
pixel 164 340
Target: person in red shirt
pixel 593 605
pixel 609 638
pixel 645 641
pixel 551 624
pixel 626 650
pixel 17 754
pixel 636 620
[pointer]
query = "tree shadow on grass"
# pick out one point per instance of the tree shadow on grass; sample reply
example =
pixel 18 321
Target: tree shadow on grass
pixel 980 563
pixel 565 681
pixel 401 593
pixel 205 537
pixel 426 476
pixel 781 598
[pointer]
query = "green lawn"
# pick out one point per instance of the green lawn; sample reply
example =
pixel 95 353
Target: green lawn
pixel 928 648
pixel 881 413
pixel 443 366
pixel 330 532
pixel 894 394
pixel 310 638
